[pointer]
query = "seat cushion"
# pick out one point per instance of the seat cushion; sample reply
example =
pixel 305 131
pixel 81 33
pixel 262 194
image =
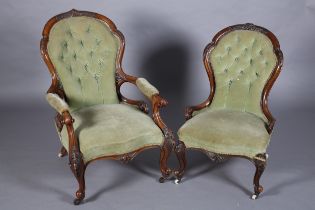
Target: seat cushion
pixel 226 132
pixel 112 129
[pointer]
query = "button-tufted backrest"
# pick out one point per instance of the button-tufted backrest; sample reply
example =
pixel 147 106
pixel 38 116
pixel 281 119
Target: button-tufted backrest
pixel 242 62
pixel 83 51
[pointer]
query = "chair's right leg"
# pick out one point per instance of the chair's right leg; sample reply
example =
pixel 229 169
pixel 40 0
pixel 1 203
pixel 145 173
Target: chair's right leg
pixel 260 164
pixel 78 169
pixel 180 151
pixel 80 194
pixel 76 162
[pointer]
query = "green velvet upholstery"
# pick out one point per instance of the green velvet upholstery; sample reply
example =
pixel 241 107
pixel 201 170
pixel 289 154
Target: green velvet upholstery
pixel 226 132
pixel 146 88
pixel 83 50
pixel 112 129
pixel 242 62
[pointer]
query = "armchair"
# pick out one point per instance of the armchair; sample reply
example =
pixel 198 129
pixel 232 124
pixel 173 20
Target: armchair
pixel 242 63
pixel 83 52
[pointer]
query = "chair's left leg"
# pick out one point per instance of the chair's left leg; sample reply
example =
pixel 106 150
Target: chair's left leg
pixel 180 151
pixel 164 156
pixel 260 163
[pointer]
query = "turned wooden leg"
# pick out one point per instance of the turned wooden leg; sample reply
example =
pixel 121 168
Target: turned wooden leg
pixel 78 169
pixel 63 152
pixel 260 163
pixel 180 151
pixel 164 155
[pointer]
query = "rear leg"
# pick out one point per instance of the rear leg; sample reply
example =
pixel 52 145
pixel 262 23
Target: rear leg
pixel 63 152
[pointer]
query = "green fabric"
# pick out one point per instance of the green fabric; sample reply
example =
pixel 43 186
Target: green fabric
pixel 226 132
pixel 112 129
pixel 146 88
pixel 242 62
pixel 83 51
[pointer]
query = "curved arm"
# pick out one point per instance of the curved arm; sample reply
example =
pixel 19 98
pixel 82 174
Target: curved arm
pixel 121 78
pixel 157 103
pixel 59 104
pixel 146 88
pixel 151 93
pixel 191 109
pixel 64 118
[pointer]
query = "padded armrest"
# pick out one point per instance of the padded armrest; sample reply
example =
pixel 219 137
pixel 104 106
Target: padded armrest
pixel 146 88
pixel 57 103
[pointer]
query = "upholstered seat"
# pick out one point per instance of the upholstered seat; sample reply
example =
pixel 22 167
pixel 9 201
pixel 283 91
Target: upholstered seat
pixel 226 132
pixel 112 129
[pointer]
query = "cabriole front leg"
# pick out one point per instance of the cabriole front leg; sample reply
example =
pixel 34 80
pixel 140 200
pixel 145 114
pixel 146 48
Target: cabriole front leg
pixel 78 169
pixel 180 151
pixel 164 156
pixel 76 163
pixel 166 150
pixel 169 142
pixel 260 164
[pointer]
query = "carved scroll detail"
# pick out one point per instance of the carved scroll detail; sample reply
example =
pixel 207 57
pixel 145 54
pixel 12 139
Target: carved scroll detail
pixel 126 158
pixel 118 78
pixel 250 27
pixel 166 149
pixel 59 122
pixel 188 113
pixel 143 107
pixel 75 161
pixel 168 134
pixel 180 151
pixel 74 13
pixel 215 157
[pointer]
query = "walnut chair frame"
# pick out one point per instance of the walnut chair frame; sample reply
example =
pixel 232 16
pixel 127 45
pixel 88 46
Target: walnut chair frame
pixel 260 159
pixel 64 118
